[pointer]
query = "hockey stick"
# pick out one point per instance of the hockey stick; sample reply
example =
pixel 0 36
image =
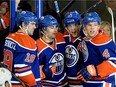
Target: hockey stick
pixel 59 16
pixel 93 6
pixel 67 6
pixel 23 84
pixel 112 16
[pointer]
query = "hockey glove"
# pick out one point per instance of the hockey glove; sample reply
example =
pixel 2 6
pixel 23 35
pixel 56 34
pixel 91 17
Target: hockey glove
pixel 86 73
pixel 49 70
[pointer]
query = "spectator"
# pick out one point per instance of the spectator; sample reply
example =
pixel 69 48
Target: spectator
pixel 106 27
pixel 4 24
pixel 20 52
pixel 99 55
pixel 73 48
pixel 4 14
pixel 51 46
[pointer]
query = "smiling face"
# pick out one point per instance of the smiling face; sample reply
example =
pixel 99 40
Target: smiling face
pixel 73 30
pixel 31 28
pixel 92 29
pixel 50 33
pixel 28 29
pixel 107 30
pixel 106 27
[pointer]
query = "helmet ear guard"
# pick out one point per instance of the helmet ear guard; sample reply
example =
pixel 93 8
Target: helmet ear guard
pixel 91 17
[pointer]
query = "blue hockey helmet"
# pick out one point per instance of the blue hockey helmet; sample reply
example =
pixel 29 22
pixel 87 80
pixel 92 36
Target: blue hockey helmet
pixel 26 17
pixel 46 21
pixel 91 17
pixel 72 18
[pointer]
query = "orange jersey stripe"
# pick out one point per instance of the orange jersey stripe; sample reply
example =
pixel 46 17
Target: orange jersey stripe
pixel 23 69
pixel 74 82
pixel 17 86
pixel 29 80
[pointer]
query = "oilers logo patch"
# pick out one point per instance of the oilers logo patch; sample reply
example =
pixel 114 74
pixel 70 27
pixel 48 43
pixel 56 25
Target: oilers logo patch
pixel 84 51
pixel 58 60
pixel 72 55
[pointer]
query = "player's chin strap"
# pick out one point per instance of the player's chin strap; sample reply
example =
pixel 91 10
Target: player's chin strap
pixel 23 84
pixel 46 36
pixel 24 30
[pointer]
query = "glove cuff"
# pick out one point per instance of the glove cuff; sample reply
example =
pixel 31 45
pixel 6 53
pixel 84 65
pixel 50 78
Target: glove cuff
pixel 92 70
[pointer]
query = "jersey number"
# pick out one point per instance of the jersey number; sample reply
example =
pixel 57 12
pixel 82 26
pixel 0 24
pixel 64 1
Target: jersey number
pixel 8 57
pixel 106 53
pixel 30 58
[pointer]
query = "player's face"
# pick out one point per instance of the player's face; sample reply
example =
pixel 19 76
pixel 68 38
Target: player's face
pixel 106 30
pixel 51 32
pixel 92 29
pixel 73 29
pixel 31 28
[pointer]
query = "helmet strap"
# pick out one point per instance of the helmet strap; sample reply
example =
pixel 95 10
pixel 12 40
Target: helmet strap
pixel 24 30
pixel 46 36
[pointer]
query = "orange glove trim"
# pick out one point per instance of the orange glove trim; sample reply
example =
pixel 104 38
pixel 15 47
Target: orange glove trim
pixel 91 69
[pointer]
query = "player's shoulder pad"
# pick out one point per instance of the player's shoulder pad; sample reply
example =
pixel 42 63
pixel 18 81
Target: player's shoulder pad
pixel 23 40
pixel 66 33
pixel 101 39
pixel 41 44
pixel 59 37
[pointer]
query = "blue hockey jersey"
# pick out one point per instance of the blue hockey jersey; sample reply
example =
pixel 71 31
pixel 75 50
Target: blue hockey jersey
pixel 73 55
pixel 53 55
pixel 101 52
pixel 20 56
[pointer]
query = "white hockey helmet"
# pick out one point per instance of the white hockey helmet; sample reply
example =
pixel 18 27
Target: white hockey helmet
pixel 5 77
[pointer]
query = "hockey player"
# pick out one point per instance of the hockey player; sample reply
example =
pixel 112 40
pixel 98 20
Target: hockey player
pixel 73 49
pixel 20 52
pixel 51 46
pixel 99 53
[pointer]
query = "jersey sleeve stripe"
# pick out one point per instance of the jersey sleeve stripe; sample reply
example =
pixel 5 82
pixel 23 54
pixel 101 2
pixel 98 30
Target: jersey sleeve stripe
pixel 23 69
pixel 24 73
pixel 112 58
pixel 112 64
pixel 20 65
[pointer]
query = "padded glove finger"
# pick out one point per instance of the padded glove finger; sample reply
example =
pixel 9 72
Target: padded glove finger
pixel 86 73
